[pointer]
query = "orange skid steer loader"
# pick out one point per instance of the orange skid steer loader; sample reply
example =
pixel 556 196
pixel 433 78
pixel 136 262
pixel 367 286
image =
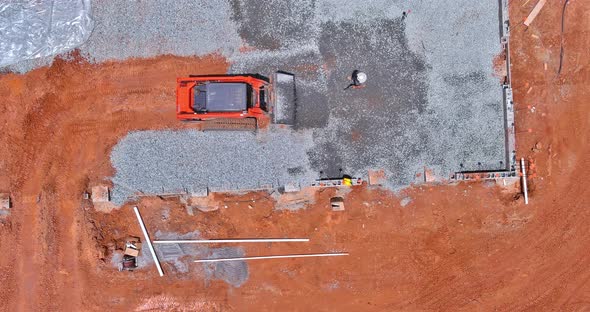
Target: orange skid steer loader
pixel 236 102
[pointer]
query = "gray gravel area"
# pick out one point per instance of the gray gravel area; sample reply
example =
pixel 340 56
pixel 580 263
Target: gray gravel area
pixel 431 99
pixel 181 257
pixel 147 28
pixel 234 273
pixel 124 29
pixel 156 162
pixel 464 118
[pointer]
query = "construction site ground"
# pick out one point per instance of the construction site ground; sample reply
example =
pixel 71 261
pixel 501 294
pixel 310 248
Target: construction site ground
pixel 428 247
pixel 434 97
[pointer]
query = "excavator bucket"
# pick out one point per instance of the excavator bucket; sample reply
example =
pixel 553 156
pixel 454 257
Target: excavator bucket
pixel 284 98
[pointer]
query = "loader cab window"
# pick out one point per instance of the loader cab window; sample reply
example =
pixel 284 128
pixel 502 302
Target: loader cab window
pixel 200 104
pixel 221 97
pixel 252 98
pixel 263 99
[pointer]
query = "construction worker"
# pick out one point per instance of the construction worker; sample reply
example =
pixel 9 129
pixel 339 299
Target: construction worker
pixel 358 79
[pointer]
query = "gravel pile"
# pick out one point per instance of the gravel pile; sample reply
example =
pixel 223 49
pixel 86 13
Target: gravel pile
pixel 148 28
pixel 372 127
pixel 464 120
pixel 431 99
pixel 156 162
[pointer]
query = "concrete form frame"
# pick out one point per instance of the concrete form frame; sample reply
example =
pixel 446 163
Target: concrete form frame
pixel 510 161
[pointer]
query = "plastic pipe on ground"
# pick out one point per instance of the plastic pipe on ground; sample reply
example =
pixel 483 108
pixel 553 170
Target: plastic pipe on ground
pixel 273 257
pixel 245 240
pixel 148 241
pixel 524 186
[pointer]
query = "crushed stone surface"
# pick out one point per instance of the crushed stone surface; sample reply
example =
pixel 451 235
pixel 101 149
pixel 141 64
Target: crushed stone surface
pixel 431 102
pixel 234 273
pixel 156 162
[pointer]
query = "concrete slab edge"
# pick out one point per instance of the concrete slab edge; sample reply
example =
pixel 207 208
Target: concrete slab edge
pixel 508 101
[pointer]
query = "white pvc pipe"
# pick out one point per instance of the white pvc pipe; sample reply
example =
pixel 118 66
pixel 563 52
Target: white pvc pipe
pixel 524 186
pixel 245 240
pixel 274 257
pixel 148 241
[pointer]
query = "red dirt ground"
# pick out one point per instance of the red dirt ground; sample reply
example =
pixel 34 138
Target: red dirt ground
pixel 466 247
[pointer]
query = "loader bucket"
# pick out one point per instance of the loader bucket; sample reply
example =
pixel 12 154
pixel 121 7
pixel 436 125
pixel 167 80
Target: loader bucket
pixel 284 98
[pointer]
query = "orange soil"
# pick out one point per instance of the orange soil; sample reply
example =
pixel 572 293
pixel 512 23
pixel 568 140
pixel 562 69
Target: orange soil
pixel 61 123
pixel 466 247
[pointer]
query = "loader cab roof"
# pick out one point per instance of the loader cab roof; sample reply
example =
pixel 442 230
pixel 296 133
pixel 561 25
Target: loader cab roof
pixel 221 97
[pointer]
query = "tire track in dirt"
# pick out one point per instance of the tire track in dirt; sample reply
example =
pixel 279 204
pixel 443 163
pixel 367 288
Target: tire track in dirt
pixel 36 249
pixel 69 121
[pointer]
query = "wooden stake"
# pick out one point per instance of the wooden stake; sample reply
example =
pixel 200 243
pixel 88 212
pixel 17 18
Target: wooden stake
pixel 534 12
